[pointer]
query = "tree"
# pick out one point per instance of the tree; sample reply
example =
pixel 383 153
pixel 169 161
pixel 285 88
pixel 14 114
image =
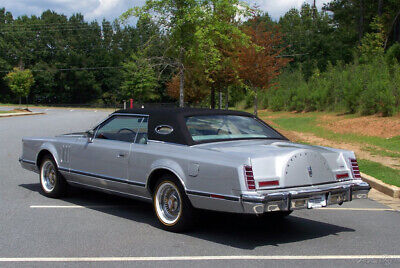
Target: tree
pixel 140 81
pixel 20 82
pixel 261 63
pixel 192 27
pixel 219 37
pixel 178 18
pixel 372 44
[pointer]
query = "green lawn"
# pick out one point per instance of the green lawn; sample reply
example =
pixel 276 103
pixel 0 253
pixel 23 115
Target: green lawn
pixel 6 112
pixel 309 124
pixel 383 173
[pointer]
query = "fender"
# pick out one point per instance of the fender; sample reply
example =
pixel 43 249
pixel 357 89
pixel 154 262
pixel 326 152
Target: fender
pixel 52 149
pixel 169 165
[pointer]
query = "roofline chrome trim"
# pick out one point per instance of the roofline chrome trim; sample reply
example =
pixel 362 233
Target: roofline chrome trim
pixel 171 143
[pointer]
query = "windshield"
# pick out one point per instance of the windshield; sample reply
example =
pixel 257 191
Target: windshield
pixel 228 127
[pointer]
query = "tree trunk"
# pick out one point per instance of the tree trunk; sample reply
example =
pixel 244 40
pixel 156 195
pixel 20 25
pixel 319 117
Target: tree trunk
pixel 314 10
pixel 255 104
pixel 182 81
pixel 220 100
pixel 227 99
pixel 396 36
pixel 182 88
pixel 361 21
pixel 212 98
pixel 19 100
pixel 380 7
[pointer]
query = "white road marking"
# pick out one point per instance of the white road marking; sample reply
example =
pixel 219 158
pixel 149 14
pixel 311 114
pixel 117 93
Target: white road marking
pixel 74 206
pixel 197 258
pixel 359 209
pixel 71 110
pixel 116 206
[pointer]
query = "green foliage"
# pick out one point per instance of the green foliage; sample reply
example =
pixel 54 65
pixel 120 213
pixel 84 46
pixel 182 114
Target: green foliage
pixel 372 44
pixel 393 54
pixel 383 173
pixel 140 81
pixel 20 81
pixel 367 88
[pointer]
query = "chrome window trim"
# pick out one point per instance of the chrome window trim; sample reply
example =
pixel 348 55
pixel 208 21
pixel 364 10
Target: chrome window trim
pixel 160 126
pixel 171 143
pixel 111 115
pixel 119 114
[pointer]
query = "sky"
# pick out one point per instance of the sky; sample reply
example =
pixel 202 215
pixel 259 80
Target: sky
pixel 111 9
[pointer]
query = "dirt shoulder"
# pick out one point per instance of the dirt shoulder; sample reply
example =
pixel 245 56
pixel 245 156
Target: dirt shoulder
pixel 358 149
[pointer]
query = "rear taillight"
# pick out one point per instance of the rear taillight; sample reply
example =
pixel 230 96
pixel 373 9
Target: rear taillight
pixel 355 169
pixel 342 176
pixel 268 183
pixel 249 177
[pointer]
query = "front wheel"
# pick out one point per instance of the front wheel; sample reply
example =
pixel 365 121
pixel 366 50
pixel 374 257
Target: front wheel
pixel 52 182
pixel 171 205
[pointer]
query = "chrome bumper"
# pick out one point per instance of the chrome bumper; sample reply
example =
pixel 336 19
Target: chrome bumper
pixel 294 199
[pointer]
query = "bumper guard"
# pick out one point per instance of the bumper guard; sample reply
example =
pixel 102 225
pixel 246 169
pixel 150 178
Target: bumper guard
pixel 302 198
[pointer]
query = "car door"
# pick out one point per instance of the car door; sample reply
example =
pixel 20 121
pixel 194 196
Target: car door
pixel 102 161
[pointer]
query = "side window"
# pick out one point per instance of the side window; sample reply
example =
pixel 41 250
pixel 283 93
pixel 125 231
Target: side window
pixel 124 128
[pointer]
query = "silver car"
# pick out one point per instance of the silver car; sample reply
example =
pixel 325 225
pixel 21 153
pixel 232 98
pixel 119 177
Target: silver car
pixel 187 159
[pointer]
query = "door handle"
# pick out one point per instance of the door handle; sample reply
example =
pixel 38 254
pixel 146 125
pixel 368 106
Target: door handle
pixel 120 155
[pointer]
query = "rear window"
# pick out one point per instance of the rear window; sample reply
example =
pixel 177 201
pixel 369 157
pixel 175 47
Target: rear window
pixel 228 127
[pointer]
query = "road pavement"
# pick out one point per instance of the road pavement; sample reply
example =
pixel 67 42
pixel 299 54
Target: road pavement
pixel 87 228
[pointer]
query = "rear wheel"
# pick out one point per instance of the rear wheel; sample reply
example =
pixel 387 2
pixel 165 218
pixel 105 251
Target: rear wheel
pixel 52 182
pixel 171 205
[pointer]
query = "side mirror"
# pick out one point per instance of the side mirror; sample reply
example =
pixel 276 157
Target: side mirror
pixel 90 136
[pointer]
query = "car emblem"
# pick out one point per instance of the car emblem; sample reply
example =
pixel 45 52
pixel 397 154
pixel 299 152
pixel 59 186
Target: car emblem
pixel 309 171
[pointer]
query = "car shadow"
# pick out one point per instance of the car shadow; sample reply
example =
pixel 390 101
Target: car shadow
pixel 235 230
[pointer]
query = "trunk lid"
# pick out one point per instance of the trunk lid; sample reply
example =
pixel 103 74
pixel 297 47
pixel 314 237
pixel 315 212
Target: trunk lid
pixel 290 163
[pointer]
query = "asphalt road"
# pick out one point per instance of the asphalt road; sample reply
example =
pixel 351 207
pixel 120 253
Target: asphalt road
pixel 89 228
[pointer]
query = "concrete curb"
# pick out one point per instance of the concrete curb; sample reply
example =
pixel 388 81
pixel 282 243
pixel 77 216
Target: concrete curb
pixel 19 114
pixel 390 190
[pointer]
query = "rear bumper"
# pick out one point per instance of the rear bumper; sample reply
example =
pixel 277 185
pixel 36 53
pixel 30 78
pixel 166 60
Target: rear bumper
pixel 294 199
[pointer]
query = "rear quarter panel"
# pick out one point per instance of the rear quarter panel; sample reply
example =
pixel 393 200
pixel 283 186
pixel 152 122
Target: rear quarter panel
pixel 199 170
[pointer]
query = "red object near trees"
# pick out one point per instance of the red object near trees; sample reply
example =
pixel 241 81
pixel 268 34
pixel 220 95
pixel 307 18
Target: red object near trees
pixel 131 103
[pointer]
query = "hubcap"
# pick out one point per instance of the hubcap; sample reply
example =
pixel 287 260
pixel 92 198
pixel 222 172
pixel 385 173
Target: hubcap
pixel 168 203
pixel 48 176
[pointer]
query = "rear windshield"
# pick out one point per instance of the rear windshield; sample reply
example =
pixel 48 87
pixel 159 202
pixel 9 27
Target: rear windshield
pixel 228 127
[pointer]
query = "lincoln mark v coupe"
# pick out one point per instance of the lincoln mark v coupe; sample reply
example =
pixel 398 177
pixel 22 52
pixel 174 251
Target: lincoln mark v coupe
pixel 187 159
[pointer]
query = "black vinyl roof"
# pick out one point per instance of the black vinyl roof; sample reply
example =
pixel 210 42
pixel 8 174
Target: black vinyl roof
pixel 176 118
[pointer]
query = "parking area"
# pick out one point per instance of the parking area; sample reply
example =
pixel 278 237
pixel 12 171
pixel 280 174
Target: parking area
pixel 90 228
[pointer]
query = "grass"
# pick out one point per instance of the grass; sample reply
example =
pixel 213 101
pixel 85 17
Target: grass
pixel 6 112
pixel 385 174
pixel 309 124
pixel 376 151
